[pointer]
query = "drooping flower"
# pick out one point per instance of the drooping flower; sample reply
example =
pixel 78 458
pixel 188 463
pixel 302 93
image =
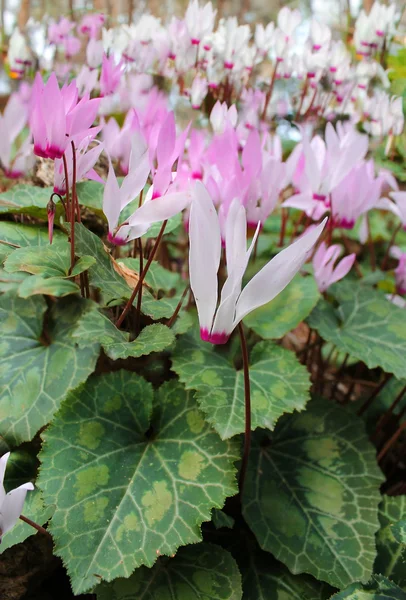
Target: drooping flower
pixel 219 319
pixel 110 75
pixel 19 55
pixel 326 268
pixel 11 504
pixel 85 161
pixel 91 24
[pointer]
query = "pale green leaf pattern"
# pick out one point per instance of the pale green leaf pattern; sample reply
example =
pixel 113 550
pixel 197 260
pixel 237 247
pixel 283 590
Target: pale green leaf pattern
pixel 199 572
pixel 366 325
pixel 128 488
pixel 286 311
pixel 399 531
pixel 279 383
pixel 391 558
pixel 379 588
pixel 94 326
pixel 38 369
pixel 312 494
pixel 27 199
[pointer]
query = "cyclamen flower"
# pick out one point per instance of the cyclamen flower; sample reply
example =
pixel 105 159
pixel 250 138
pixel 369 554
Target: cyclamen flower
pixel 91 24
pixel 11 504
pixel 19 55
pixel 198 91
pixel 217 321
pixel 326 269
pixel 221 116
pixel 110 75
pixel 56 116
pixel 199 21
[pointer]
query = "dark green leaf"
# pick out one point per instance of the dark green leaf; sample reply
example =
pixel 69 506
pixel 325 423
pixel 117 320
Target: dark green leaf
pixel 37 368
pixel 391 559
pixel 365 325
pixel 379 588
pixel 200 572
pixel 312 494
pixel 127 488
pixel 27 199
pixel 221 519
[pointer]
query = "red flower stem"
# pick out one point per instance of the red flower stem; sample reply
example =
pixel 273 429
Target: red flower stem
pixel 247 394
pixel 269 92
pixel 392 241
pixel 67 208
pixel 390 443
pixel 139 298
pixel 142 276
pixel 178 307
pixel 35 525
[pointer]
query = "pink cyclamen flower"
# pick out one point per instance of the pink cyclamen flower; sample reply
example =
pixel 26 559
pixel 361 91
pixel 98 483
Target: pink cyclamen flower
pixel 218 320
pixel 326 269
pixel 16 161
pixel 11 504
pixel 56 115
pixel 91 24
pixel 57 32
pixel 110 75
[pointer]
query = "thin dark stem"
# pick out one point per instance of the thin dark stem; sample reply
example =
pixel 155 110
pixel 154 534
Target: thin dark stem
pixel 375 393
pixel 392 241
pixel 386 416
pixel 139 298
pixel 65 167
pixel 142 276
pixel 73 211
pixel 178 307
pixel 35 525
pixel 247 393
pixel 390 443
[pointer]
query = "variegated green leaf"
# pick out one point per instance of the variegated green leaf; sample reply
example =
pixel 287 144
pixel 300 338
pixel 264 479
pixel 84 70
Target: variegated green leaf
pixel 312 493
pixel 279 383
pixel 379 588
pixel 391 558
pixel 129 487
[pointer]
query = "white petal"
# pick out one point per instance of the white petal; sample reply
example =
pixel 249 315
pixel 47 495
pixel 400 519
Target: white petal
pixel 12 507
pixel 160 209
pixel 204 254
pixel 111 199
pixel 276 275
pixel 135 181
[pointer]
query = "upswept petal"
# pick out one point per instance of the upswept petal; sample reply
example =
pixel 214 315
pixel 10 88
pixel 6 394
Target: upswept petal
pixel 342 268
pixel 160 209
pixel 276 275
pixel 166 141
pixel 12 507
pixel 135 181
pixel 204 254
pixel 111 199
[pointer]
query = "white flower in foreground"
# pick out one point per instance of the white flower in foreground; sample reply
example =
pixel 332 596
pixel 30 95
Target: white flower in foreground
pixel 11 504
pixel 217 321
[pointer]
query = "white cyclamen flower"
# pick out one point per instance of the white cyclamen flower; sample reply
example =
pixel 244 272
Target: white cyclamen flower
pixel 11 504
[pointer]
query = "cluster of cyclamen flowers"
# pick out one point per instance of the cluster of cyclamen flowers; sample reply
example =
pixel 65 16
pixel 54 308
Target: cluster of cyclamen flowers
pixel 234 156
pixel 232 62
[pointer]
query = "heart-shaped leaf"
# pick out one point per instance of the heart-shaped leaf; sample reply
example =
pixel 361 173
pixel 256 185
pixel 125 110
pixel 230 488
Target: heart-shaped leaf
pixel 279 383
pixel 136 487
pixel 312 493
